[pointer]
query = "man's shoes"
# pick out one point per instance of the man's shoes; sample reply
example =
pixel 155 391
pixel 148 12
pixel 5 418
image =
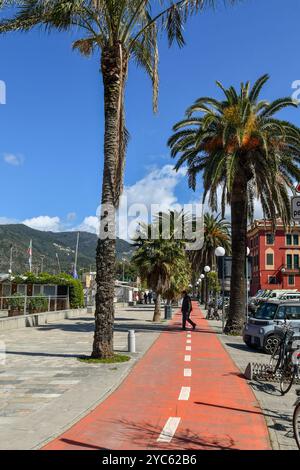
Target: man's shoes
pixel 194 326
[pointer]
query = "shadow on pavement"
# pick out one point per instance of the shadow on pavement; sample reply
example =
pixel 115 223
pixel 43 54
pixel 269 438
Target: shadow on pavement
pixel 141 434
pixel 82 444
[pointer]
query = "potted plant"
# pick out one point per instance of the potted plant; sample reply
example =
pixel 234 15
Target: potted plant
pixel 16 305
pixel 38 304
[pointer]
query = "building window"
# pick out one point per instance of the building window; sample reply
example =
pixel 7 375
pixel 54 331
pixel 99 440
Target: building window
pixel 296 261
pixel 270 259
pixel 291 280
pixel 21 289
pixel 49 291
pixel 288 239
pixel 295 239
pixel 273 280
pixel 289 261
pixel 270 239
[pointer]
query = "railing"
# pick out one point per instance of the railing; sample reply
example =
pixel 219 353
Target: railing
pixel 15 305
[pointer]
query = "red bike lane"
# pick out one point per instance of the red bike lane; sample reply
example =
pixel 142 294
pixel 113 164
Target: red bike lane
pixel 185 393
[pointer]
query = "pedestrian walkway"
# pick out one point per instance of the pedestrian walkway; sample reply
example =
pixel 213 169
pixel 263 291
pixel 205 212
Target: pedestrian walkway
pixel 44 389
pixel 186 393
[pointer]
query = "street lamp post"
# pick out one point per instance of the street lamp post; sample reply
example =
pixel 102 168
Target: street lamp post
pixel 282 273
pixel 123 261
pixel 247 274
pixel 10 259
pixel 206 270
pixel 220 252
pixel 202 288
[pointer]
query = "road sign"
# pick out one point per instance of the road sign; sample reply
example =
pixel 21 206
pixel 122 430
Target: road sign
pixel 295 203
pixel 298 188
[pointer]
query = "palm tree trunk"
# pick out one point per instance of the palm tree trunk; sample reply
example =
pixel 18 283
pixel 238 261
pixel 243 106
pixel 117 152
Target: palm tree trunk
pixel 111 64
pixel 202 291
pixel 157 309
pixel 236 316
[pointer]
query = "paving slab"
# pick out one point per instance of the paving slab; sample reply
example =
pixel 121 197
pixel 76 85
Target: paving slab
pixel 44 389
pixel 277 409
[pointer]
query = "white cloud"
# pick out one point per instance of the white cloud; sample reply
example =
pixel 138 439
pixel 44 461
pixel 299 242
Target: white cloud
pixel 44 223
pixel 89 224
pixel 13 159
pixel 157 187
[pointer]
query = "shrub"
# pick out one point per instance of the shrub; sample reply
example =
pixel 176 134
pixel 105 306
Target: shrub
pixel 16 302
pixel 63 279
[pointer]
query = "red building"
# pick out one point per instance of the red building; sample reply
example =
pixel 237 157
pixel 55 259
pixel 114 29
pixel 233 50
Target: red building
pixel 275 256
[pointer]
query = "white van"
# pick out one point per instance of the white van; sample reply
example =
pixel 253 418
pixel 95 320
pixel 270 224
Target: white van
pixel 290 296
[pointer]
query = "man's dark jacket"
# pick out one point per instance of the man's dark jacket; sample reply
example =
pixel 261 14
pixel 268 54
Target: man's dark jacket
pixel 186 304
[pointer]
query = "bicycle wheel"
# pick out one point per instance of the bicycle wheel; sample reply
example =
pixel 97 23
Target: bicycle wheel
pixel 287 378
pixel 275 359
pixel 296 424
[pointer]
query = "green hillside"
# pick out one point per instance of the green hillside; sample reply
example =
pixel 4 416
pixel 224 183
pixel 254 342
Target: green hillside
pixel 47 244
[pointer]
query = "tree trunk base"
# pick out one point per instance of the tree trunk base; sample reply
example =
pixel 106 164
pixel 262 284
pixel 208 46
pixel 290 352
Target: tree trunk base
pixel 233 329
pixel 157 310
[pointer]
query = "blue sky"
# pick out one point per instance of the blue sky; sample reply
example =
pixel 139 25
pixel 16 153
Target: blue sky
pixel 52 125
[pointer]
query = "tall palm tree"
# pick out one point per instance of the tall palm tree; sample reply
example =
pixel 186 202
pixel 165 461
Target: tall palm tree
pixel 118 30
pixel 240 147
pixel 216 233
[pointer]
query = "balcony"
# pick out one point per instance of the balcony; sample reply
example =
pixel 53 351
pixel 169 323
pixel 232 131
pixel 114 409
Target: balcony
pixel 290 269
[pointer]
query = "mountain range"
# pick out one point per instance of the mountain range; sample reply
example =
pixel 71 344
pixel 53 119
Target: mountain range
pixel 50 249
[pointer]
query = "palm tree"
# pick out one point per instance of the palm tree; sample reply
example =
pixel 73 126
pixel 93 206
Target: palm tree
pixel 216 233
pixel 240 147
pixel 120 30
pixel 161 260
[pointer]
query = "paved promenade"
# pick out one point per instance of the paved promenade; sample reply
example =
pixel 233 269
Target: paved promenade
pixel 44 389
pixel 185 393
pixel 277 410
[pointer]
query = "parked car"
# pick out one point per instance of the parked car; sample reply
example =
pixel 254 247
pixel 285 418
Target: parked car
pixel 260 330
pixel 290 296
pixel 282 294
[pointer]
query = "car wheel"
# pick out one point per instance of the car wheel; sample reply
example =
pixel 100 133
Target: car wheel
pixel 271 344
pixel 248 343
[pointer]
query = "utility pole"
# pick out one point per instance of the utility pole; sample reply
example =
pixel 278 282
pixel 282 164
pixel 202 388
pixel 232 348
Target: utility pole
pixel 42 263
pixel 58 263
pixel 76 254
pixel 30 256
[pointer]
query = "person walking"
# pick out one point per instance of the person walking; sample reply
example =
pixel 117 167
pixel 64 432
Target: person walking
pixel 150 297
pixel 186 309
pixel 145 298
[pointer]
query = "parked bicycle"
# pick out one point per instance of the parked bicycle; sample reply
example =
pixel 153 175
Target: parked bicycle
pixel 212 311
pixel 284 360
pixel 296 419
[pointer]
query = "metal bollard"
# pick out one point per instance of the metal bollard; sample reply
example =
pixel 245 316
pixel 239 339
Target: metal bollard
pixel 131 341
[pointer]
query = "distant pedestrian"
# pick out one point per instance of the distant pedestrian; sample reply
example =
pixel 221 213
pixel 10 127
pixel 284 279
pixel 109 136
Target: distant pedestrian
pixel 186 309
pixel 145 298
pixel 150 297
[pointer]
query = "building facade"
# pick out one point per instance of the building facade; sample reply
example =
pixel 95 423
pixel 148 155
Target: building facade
pixel 275 256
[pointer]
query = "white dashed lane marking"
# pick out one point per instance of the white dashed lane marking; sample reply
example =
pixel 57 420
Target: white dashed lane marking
pixel 184 393
pixel 187 372
pixel 169 430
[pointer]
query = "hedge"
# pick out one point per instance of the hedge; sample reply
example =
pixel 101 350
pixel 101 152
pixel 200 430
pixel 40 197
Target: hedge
pixel 62 279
